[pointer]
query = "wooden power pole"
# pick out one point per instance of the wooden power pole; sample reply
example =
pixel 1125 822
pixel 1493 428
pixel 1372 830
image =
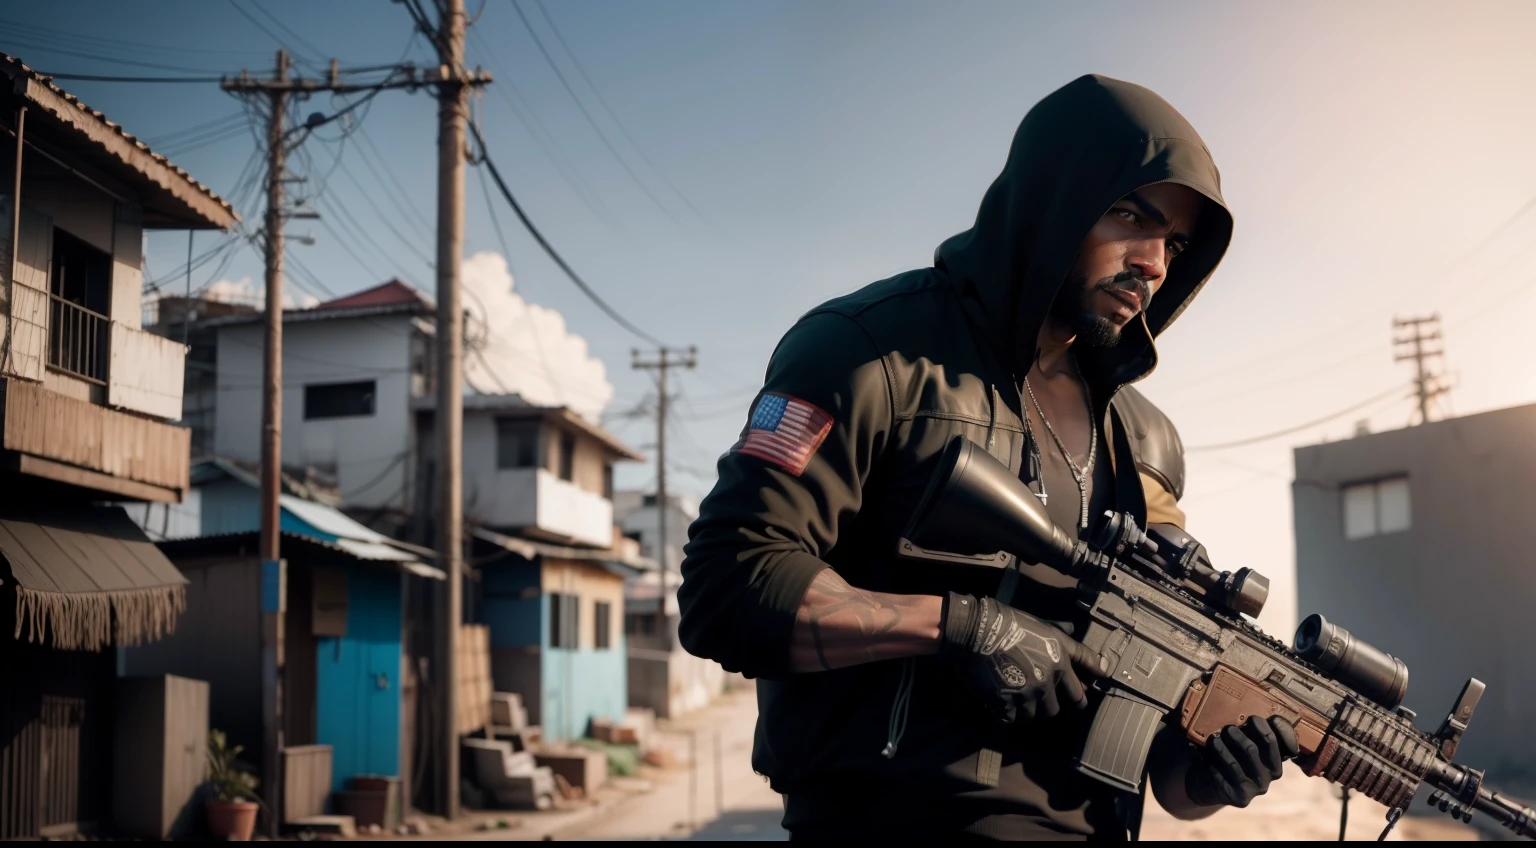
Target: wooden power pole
pixel 278 91
pixel 452 114
pixel 665 360
pixel 1427 385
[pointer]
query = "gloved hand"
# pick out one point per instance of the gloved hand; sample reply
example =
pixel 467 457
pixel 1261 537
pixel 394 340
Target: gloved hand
pixel 1015 663
pixel 1241 761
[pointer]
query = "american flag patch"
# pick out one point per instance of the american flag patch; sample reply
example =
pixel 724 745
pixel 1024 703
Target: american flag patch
pixel 786 431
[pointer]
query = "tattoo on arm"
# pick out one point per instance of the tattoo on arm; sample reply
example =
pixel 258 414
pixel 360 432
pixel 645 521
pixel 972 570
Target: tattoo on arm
pixel 839 625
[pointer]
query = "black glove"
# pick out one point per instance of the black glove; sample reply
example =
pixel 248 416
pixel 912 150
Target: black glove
pixel 1241 761
pixel 1015 663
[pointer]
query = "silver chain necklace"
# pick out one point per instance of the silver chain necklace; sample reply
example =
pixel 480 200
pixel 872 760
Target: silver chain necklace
pixel 1081 475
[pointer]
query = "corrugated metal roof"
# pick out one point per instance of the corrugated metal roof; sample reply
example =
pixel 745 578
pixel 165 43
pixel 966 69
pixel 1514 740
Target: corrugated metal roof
pixel 530 549
pixel 14 67
pixel 245 544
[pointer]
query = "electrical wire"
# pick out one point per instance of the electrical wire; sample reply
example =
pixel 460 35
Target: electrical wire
pixel 541 137
pixel 618 123
pixel 1395 393
pixel 506 251
pixel 549 249
pixel 108 78
pixel 608 143
pixel 315 51
pixel 308 60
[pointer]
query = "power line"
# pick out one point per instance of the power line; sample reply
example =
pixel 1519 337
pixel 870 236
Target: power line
pixel 588 115
pixel 1314 341
pixel 1252 440
pixel 284 27
pixel 308 60
pixel 105 78
pixel 97 42
pixel 506 252
pixel 541 136
pixel 485 158
pixel 195 129
pixel 618 123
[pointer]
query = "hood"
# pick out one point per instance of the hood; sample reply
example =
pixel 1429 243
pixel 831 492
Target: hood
pixel 1075 154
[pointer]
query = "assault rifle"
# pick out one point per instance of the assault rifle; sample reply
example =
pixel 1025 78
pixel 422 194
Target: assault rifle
pixel 1174 647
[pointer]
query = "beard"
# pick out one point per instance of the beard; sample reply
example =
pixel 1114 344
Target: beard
pixel 1074 307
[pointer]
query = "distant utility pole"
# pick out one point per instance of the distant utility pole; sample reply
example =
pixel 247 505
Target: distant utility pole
pixel 665 360
pixel 278 91
pixel 1417 332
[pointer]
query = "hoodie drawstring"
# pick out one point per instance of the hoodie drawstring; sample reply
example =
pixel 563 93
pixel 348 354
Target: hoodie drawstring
pixel 992 400
pixel 898 724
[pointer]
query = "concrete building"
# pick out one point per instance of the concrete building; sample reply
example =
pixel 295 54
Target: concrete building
pixel 662 675
pixel 547 572
pixel 358 399
pixel 1415 540
pixel 87 405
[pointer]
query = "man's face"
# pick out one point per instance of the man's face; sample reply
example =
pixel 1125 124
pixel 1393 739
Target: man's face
pixel 1124 260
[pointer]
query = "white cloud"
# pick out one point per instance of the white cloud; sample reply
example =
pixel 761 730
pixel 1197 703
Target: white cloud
pixel 525 348
pixel 245 291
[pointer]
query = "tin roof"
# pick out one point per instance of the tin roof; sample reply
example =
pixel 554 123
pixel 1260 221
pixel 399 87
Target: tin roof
pixel 68 128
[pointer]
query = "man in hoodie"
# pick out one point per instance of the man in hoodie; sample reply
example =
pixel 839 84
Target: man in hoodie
pixel 901 697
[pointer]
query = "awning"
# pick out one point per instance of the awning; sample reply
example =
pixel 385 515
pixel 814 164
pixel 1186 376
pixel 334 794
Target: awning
pixel 529 549
pixel 88 577
pixel 295 546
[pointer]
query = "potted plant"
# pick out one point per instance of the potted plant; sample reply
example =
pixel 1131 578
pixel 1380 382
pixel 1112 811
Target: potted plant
pixel 232 811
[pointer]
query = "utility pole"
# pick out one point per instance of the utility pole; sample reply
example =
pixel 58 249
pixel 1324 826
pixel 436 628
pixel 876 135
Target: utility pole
pixel 452 114
pixel 278 91
pixel 666 360
pixel 1420 330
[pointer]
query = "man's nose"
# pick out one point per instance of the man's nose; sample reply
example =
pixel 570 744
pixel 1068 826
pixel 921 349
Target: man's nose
pixel 1149 258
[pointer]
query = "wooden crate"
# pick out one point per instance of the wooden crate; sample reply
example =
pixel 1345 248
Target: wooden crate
pixel 474 673
pixel 306 781
pixel 160 756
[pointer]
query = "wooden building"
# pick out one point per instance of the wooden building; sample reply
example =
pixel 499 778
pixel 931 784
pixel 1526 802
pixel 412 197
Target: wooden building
pixel 87 401
pixel 346 679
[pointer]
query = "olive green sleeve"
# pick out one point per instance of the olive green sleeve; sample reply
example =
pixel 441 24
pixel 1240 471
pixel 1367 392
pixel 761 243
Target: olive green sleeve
pixel 764 531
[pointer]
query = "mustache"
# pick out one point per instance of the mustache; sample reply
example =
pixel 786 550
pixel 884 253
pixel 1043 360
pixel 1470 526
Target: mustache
pixel 1129 281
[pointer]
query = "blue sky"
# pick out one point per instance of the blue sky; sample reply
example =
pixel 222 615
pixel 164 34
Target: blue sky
pixel 1374 155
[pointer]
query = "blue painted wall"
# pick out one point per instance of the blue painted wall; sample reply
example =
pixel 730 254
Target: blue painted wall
pixel 575 685
pixel 514 621
pixel 358 680
pixel 230 506
pixel 592 683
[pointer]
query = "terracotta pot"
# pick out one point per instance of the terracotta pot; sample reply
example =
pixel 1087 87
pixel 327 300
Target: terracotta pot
pixel 232 820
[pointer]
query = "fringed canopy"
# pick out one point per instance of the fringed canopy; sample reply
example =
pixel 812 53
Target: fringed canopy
pixel 94 620
pixel 87 578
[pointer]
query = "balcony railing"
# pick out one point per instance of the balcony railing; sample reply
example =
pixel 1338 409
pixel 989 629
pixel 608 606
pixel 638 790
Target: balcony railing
pixel 78 340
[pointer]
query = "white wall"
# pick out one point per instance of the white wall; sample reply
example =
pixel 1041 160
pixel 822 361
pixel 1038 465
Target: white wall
pixel 369 454
pixel 633 517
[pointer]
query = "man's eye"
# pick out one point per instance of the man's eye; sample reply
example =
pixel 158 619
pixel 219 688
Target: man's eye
pixel 1128 216
pixel 1175 248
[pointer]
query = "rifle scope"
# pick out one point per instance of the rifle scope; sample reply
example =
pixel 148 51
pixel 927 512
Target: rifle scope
pixel 1353 662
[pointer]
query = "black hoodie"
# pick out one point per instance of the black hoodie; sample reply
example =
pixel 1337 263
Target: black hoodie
pixel 893 372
